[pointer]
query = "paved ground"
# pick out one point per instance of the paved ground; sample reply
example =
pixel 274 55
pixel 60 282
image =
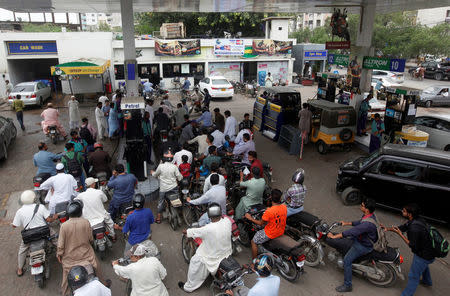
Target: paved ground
pixel 16 175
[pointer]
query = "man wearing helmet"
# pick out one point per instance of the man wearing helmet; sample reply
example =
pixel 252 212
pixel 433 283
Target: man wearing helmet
pixel 294 197
pixel 137 223
pixel 80 285
pixel 29 216
pixel 75 243
pixel 216 246
pixel 168 175
pixel 100 160
pixel 268 284
pixel 145 272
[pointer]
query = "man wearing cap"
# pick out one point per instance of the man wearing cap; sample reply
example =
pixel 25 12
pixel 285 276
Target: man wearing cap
pixel 61 188
pixel 74 113
pixel 93 209
pixel 146 273
pixel 50 116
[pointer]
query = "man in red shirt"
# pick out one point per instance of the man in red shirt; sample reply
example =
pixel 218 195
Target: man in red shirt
pixel 255 162
pixel 273 220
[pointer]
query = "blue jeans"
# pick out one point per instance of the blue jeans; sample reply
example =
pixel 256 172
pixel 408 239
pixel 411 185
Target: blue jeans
pixel 361 124
pixel 19 116
pixel 292 211
pixel 357 250
pixel 419 267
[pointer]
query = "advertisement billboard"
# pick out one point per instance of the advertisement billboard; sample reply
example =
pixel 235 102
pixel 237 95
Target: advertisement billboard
pixel 229 47
pixel 177 48
pixel 270 47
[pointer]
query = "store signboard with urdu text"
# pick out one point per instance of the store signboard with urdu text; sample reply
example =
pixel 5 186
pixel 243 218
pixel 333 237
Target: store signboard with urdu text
pixel 229 47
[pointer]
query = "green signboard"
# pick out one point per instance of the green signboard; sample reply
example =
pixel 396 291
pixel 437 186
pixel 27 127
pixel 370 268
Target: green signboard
pixel 338 59
pixel 376 63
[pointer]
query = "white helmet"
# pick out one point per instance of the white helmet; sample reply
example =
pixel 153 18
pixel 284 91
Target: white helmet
pixel 27 197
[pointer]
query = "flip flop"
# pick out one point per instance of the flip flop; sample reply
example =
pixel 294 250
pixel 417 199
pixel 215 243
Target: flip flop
pixel 19 275
pixel 158 221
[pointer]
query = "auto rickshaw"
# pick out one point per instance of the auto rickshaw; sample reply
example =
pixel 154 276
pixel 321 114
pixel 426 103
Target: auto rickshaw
pixel 333 125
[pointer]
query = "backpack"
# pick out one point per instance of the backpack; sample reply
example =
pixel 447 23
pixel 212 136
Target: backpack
pixel 381 244
pixel 73 166
pixel 86 135
pixel 439 244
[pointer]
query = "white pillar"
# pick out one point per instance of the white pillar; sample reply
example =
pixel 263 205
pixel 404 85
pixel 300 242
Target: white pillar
pixel 267 29
pixel 129 48
pixel 206 69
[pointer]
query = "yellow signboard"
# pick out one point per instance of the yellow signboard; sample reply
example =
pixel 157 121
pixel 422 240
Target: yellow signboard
pixel 261 100
pixel 80 70
pixel 275 108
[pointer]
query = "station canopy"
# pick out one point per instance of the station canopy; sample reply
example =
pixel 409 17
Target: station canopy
pixel 286 6
pixel 81 67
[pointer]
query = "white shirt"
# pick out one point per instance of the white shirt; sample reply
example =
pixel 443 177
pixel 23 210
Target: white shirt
pixel 217 194
pixel 64 186
pixel 177 157
pixel 93 288
pixel 239 137
pixel 202 145
pixel 93 209
pixel 168 175
pixel 230 127
pixel 208 185
pixel 216 243
pixel 99 115
pixel 267 286
pixel 24 214
pixel 102 99
pixel 150 110
pixel 146 276
pixel 219 138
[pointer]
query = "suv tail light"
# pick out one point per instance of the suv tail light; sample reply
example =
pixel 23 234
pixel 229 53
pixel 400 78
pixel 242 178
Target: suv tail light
pixel 99 235
pixel 10 97
pixel 231 87
pixel 37 184
pixel 215 88
pixel 401 259
pixel 33 96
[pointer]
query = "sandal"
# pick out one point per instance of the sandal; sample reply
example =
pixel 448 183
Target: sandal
pixel 19 275
pixel 158 221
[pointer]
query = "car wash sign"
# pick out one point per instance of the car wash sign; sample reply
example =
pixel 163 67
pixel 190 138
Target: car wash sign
pixel 31 47
pixel 395 65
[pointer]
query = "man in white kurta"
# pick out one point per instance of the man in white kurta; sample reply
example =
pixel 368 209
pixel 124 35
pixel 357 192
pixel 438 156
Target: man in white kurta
pixel 230 126
pixel 102 124
pixel 216 246
pixel 74 113
pixel 146 273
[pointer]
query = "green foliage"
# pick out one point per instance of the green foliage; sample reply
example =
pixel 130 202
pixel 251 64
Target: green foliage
pixel 46 27
pixel 104 27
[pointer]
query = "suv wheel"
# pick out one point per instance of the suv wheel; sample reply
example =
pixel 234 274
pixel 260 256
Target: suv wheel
pixel 41 102
pixel 447 148
pixel 351 196
pixel 438 76
pixel 428 104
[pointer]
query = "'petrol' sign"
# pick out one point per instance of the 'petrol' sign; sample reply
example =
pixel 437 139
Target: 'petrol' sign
pixel 31 47
pixel 395 65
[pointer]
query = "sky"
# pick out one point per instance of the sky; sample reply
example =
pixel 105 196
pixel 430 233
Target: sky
pixel 6 15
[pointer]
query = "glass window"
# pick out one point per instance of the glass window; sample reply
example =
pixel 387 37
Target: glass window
pixel 425 121
pixel 442 125
pixel 403 170
pixel 439 176
pixel 219 81
pixel 119 72
pixel 23 88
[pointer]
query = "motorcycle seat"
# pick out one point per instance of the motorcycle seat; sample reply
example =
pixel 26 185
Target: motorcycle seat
pixel 303 218
pixel 229 264
pixel 284 243
pixel 37 245
pixel 41 177
pixel 390 255
pixel 257 209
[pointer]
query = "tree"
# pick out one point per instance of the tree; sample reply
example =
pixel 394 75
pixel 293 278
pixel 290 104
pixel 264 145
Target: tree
pixel 46 27
pixel 104 27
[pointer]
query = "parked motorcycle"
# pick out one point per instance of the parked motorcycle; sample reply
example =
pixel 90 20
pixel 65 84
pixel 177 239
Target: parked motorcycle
pixel 37 182
pixel 101 239
pixel 53 133
pixel 379 268
pixel 285 251
pixel 229 276
pixel 40 251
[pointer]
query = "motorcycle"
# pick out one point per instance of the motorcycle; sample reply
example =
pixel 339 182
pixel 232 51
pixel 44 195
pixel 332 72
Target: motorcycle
pixel 229 276
pixel 125 209
pixel 102 181
pixel 164 135
pixel 285 251
pixel 379 268
pixel 40 251
pixel 61 211
pixel 196 106
pixel 37 182
pixel 53 133
pixel 172 211
pixel 190 245
pixel 101 239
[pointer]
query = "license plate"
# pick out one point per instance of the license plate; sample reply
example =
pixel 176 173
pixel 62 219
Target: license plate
pixel 223 89
pixel 37 270
pixel 238 249
pixel 53 132
pixel 300 263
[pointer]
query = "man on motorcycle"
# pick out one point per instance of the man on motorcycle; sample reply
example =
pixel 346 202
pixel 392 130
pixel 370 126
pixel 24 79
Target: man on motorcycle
pixel 253 158
pixel 215 246
pixel 73 162
pixel 148 88
pixel 123 185
pixel 168 175
pixel 205 119
pixel 74 243
pixel 216 194
pixel 273 220
pixel 219 138
pixel 61 188
pixel 177 157
pixel 254 195
pixel 201 141
pixel 93 209
pixel 146 273
pixel 50 116
pixel 246 123
pixel 363 234
pixel 268 284
pixel 179 115
pixel 212 157
pixel 186 84
pixel 240 136
pixel 80 284
pixel 45 161
pixel 230 125
pixel 188 130
pixel 214 170
pixel 294 197
pixel 161 122
pixel 100 160
pixel 244 148
pixel 29 216
pixel 137 223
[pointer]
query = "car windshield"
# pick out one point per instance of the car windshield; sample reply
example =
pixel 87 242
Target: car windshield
pixel 363 161
pixel 23 88
pixel 432 90
pixel 219 82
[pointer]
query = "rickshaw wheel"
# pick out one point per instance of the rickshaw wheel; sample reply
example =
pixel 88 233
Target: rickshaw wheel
pixel 322 148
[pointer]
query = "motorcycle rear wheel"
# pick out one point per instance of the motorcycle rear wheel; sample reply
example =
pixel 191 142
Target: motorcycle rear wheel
pixel 244 238
pixel 288 270
pixel 311 252
pixel 187 248
pixel 39 279
pixel 390 276
pixel 188 216
pixel 215 290
pixel 173 219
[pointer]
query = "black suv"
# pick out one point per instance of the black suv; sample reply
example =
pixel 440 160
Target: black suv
pixel 397 175
pixel 437 70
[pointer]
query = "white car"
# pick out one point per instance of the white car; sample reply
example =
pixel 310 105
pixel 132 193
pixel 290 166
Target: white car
pixel 392 77
pixel 217 86
pixel 32 93
pixel 438 127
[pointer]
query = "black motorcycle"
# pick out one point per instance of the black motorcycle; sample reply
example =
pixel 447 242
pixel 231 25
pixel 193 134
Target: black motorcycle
pixel 37 182
pixel 229 276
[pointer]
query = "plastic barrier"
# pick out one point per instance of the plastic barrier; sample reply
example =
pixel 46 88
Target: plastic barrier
pixel 259 108
pixel 290 139
pixel 273 121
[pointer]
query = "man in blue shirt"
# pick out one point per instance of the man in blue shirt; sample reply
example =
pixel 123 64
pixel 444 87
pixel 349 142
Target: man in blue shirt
pixel 44 160
pixel 186 84
pixel 205 119
pixel 268 284
pixel 148 87
pixel 123 185
pixel 137 224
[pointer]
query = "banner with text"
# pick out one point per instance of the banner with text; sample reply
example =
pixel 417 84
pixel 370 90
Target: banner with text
pixel 31 47
pixel 229 47
pixel 395 65
pixel 270 47
pixel 338 59
pixel 177 48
